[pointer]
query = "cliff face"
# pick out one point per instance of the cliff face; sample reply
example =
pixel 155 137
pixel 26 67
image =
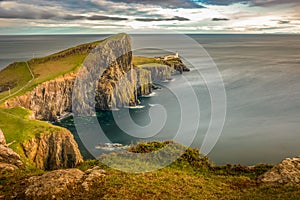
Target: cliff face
pixel 49 100
pixel 53 150
pixel 159 72
pixel 109 73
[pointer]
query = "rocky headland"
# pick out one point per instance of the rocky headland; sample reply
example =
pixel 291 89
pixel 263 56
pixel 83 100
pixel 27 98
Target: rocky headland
pixel 107 75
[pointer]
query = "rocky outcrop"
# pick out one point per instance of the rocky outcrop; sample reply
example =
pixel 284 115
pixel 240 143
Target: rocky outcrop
pixel 176 64
pixel 144 82
pixel 108 72
pixel 9 160
pixel 53 150
pixel 287 172
pixel 159 72
pixel 60 181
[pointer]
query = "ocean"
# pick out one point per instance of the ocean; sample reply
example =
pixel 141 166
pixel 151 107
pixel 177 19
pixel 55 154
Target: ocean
pixel 261 76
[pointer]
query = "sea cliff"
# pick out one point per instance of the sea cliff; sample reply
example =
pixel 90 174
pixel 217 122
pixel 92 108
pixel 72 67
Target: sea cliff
pixel 107 74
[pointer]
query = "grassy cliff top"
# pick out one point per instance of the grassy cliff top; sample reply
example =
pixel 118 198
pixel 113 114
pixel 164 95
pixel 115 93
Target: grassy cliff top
pixel 20 77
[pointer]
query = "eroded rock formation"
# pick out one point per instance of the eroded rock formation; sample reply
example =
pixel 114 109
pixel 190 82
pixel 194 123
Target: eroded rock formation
pixel 286 172
pixel 53 150
pixel 60 181
pixel 9 160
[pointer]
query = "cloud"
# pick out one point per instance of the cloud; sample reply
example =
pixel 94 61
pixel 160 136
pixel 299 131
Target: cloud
pixel 262 3
pixel 283 22
pixel 93 17
pixel 164 3
pixel 176 18
pixel 220 19
pixel 73 17
pixel 23 11
pixel 221 2
pixel 101 17
pixel 270 3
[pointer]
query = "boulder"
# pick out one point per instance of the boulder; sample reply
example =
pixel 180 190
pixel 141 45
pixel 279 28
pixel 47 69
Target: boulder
pixel 9 160
pixel 57 182
pixel 286 172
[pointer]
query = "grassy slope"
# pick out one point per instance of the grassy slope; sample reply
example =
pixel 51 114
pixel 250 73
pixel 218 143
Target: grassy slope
pixel 17 128
pixel 187 178
pixel 46 68
pixel 139 60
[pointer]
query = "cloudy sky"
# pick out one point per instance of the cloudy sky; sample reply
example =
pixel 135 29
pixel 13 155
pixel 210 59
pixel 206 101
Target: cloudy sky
pixel 112 16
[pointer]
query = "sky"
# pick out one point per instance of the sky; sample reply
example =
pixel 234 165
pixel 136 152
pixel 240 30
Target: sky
pixel 143 16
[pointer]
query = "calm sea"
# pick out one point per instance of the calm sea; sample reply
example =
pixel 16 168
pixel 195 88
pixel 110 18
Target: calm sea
pixel 261 74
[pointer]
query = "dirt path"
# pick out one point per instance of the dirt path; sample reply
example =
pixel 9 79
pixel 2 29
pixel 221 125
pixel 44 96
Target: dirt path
pixel 19 90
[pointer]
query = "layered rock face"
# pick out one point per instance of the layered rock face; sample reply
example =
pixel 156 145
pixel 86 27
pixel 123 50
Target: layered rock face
pixel 49 100
pixel 9 160
pixel 53 150
pixel 287 172
pixel 159 72
pixel 108 76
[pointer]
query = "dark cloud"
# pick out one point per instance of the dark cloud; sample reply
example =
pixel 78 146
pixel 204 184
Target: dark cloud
pixel 73 17
pixel 164 3
pixel 219 19
pixel 33 13
pixel 25 13
pixel 93 17
pixel 283 22
pixel 176 18
pixel 102 17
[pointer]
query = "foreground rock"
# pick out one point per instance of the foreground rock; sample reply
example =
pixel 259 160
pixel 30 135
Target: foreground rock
pixel 287 172
pixel 60 181
pixel 9 160
pixel 52 151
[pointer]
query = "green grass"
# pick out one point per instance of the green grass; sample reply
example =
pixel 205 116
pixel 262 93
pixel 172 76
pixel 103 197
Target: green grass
pixel 18 128
pixel 14 76
pixel 181 180
pixel 17 75
pixel 139 60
